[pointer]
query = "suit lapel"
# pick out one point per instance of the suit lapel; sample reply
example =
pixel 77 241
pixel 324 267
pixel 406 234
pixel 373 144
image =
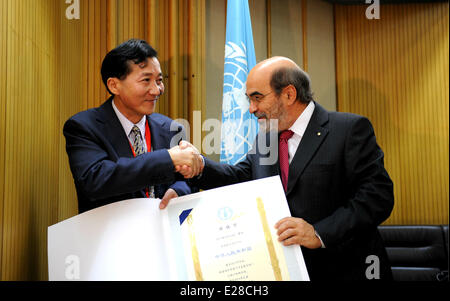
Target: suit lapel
pixel 158 139
pixel 314 135
pixel 113 130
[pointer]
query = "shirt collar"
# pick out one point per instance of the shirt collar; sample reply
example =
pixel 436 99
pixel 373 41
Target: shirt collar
pixel 299 126
pixel 128 125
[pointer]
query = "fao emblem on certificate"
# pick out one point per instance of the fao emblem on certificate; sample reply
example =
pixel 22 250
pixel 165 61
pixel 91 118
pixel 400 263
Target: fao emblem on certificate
pixel 225 213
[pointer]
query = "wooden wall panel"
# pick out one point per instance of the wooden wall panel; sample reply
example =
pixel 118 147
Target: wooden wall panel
pixel 94 48
pixel 395 72
pixel 174 62
pixel 131 19
pixel 3 84
pixel 71 101
pixel 195 66
pixel 30 136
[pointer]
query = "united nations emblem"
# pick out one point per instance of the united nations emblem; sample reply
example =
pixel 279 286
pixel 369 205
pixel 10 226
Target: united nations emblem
pixel 239 128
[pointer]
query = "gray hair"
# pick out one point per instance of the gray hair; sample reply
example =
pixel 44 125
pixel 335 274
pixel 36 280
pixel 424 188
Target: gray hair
pixel 286 76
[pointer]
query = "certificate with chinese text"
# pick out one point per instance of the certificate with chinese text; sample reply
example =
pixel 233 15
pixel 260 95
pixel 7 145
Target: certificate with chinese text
pixel 228 234
pixel 220 234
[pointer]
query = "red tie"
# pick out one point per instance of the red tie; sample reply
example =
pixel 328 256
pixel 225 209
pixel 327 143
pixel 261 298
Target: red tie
pixel 283 154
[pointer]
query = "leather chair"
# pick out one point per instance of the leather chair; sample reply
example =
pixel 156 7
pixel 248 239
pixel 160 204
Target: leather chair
pixel 417 253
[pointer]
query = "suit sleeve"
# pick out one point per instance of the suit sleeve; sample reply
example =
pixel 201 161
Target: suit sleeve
pixel 181 187
pixel 217 174
pixel 99 176
pixel 371 199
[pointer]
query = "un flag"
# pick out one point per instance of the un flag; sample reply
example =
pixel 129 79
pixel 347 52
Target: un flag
pixel 239 127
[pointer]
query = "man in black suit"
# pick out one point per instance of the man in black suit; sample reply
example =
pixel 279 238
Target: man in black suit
pixel 337 188
pixel 122 150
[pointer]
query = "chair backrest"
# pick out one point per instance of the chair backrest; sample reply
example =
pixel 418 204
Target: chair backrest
pixel 416 253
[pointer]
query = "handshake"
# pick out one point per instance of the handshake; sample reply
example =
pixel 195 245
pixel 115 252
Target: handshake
pixel 186 159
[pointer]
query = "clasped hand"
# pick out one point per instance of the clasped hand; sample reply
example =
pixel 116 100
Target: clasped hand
pixel 186 159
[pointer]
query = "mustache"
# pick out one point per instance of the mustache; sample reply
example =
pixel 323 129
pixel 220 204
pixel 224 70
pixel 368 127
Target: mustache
pixel 260 115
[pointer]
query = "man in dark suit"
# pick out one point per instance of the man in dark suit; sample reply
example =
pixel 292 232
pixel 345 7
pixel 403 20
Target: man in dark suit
pixel 123 150
pixel 332 169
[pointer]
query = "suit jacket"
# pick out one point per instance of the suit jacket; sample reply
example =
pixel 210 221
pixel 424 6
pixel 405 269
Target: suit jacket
pixel 102 162
pixel 337 182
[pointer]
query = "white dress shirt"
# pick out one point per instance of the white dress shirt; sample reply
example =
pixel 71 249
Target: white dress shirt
pixel 128 125
pixel 299 128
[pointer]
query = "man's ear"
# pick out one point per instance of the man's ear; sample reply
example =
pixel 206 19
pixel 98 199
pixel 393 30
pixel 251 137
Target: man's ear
pixel 291 94
pixel 113 84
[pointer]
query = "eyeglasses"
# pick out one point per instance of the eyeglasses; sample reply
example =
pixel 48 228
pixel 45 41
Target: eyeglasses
pixel 257 97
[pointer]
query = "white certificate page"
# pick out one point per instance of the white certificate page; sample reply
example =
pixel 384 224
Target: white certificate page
pixel 228 234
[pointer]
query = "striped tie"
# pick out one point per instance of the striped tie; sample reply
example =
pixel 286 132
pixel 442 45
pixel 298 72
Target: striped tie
pixel 138 144
pixel 139 149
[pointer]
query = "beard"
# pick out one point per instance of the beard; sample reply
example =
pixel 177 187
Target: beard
pixel 275 121
pixel 267 125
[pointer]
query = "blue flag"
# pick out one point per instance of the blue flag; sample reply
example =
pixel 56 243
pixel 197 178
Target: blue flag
pixel 239 127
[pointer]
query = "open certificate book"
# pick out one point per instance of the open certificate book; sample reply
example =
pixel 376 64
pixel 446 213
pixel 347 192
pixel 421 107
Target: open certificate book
pixel 220 234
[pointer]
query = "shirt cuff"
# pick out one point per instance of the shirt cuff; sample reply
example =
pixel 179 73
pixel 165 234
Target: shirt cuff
pixel 203 161
pixel 321 242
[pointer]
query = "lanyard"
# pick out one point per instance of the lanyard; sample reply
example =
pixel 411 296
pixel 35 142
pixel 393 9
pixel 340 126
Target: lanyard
pixel 148 141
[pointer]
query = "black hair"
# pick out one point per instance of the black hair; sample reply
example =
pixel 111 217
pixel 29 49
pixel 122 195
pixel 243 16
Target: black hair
pixel 285 76
pixel 117 62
